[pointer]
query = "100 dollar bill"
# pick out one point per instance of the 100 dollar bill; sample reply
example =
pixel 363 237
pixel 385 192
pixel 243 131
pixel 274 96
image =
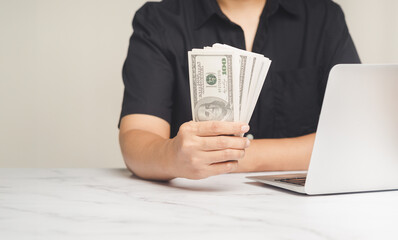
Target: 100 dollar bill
pixel 213 85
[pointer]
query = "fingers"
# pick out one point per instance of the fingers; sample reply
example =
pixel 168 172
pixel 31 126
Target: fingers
pixel 213 128
pixel 223 155
pixel 224 142
pixel 202 148
pixel 223 167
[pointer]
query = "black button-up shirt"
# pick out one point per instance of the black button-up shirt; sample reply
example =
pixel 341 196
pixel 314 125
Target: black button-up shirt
pixel 303 38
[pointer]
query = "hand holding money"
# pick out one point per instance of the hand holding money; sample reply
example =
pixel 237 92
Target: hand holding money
pixel 225 82
pixel 203 149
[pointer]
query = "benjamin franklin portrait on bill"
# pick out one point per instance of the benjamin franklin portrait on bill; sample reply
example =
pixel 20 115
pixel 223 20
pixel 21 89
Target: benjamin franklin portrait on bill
pixel 213 109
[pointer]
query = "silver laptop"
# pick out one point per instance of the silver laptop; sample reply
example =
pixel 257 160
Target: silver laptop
pixel 356 144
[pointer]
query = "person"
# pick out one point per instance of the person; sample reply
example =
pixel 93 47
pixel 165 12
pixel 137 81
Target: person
pixel 158 139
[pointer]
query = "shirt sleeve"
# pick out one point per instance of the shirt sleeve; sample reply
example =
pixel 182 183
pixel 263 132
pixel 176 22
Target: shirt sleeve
pixel 340 47
pixel 147 72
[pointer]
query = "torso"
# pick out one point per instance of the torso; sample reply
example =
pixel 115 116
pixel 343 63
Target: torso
pixel 302 38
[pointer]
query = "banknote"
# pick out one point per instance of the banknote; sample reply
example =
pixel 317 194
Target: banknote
pixel 225 82
pixel 245 68
pixel 213 85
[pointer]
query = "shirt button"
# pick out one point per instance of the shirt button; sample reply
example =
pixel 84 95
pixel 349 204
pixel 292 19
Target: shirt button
pixel 250 136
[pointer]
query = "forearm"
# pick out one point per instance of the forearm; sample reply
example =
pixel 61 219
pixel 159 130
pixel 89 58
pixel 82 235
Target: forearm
pixel 146 154
pixel 278 154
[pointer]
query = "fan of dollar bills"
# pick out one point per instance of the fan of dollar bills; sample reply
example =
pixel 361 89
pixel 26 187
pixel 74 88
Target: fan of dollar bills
pixel 225 82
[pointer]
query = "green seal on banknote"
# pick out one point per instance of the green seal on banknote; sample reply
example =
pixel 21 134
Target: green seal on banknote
pixel 211 79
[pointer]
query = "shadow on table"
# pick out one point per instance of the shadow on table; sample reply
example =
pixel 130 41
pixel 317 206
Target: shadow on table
pixel 190 186
pixel 121 172
pixel 183 184
pixel 280 190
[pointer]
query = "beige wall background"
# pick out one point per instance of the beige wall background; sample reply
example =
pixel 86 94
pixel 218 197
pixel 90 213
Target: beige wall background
pixel 60 74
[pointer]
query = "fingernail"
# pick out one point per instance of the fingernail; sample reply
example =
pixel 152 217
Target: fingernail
pixel 245 128
pixel 247 142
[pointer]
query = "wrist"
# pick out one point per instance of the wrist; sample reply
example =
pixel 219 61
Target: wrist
pixel 167 161
pixel 249 163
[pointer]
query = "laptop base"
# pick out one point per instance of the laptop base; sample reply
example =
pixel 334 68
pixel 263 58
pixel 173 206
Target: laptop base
pixel 279 181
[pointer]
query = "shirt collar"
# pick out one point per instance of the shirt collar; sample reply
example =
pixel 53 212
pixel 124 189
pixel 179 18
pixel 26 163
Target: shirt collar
pixel 208 8
pixel 205 9
pixel 290 6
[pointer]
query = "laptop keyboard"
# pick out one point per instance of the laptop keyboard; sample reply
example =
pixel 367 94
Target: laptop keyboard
pixel 298 181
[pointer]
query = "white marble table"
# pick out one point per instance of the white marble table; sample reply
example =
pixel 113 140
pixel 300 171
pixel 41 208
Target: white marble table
pixel 111 204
